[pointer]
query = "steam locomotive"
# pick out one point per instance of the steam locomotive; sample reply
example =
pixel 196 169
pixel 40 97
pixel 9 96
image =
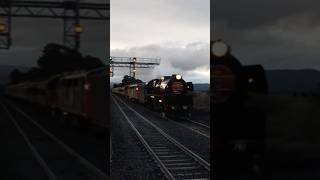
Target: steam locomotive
pixel 169 95
pixel 239 125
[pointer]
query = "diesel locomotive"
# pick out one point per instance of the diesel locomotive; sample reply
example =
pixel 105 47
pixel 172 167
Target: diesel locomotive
pixel 78 97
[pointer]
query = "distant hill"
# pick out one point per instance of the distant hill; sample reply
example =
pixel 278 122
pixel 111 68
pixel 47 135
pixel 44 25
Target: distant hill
pixel 5 71
pixel 201 87
pixel 305 80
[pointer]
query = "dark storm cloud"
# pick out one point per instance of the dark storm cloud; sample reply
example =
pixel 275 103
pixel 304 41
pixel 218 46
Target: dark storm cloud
pixel 276 34
pixel 246 14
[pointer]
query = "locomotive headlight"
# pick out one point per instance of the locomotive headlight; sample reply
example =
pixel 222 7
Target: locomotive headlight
pixel 219 48
pixel 178 77
pixel 160 100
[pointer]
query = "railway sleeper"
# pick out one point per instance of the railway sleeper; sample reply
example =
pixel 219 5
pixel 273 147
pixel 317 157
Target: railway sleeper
pixel 158 144
pixel 183 168
pixel 167 152
pixel 171 156
pixel 161 150
pixel 186 164
pixel 168 161
pixel 193 175
pixel 156 139
pixel 159 147
pixel 190 170
pixel 150 134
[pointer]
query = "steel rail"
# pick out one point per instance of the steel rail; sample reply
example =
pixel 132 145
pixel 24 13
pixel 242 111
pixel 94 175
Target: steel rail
pixel 49 173
pixel 198 123
pixel 153 154
pixel 97 172
pixel 181 148
pixel 193 129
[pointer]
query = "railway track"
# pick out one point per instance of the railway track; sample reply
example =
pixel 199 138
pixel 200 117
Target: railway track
pixel 58 160
pixel 198 123
pixel 174 159
pixel 194 126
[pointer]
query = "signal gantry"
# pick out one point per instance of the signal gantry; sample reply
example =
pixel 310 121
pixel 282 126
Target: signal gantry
pixel 70 11
pixel 132 63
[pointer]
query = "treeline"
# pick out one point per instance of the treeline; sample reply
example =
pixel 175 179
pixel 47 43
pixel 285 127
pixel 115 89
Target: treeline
pixel 127 80
pixel 56 59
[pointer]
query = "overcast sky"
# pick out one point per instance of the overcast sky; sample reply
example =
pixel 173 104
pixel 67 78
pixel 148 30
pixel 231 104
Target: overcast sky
pixel 277 34
pixel 176 30
pixel 30 35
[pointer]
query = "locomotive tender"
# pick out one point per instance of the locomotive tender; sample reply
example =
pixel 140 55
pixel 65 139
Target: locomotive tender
pixel 170 95
pixel 79 97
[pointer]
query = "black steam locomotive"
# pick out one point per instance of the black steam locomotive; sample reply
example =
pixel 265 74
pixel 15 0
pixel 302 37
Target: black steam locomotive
pixel 238 128
pixel 169 95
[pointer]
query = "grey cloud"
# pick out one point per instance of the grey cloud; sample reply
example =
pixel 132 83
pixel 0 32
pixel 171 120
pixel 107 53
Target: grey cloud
pixel 180 11
pixel 193 55
pixel 174 59
pixel 141 22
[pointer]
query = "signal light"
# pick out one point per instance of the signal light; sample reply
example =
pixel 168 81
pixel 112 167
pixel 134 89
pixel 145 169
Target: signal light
pixel 78 28
pixel 3 28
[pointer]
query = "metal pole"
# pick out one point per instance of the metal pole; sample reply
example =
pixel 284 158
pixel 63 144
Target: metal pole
pixel 77 23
